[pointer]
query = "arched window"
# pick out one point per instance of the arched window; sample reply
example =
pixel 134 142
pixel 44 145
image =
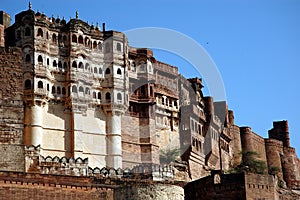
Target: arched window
pixel 87 66
pixel 100 71
pixel 118 47
pixel 59 64
pixel 86 41
pixel 99 95
pixel 54 63
pixel 28 58
pixel 40 84
pixel 48 61
pixel 74 38
pixel 65 65
pixel 27 31
pixel 27 85
pixel 58 90
pixel 94 45
pixel 95 70
pixel 63 91
pixel 74 89
pixel 54 39
pixel 47 35
pixel 94 95
pixel 80 39
pixel 80 65
pixel 74 64
pixel 81 89
pixel 107 96
pixel 53 89
pixel 107 71
pixel 119 97
pixel 119 71
pixel 100 46
pixel 40 32
pixel 87 91
pixel 40 59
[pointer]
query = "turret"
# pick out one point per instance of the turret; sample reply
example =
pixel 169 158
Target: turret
pixel 280 131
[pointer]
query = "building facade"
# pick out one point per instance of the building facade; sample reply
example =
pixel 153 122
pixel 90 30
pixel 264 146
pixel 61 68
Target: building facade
pixel 76 98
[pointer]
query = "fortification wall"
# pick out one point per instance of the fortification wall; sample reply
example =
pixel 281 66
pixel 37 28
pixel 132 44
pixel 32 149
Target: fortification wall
pixel 253 142
pixel 235 145
pixel 274 151
pixel 260 186
pixel 291 170
pixel 45 186
pixel 11 111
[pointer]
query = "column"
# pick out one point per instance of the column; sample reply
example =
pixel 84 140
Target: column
pixel 33 125
pixel 113 140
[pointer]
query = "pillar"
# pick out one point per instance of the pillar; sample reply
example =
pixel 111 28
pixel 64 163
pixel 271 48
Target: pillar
pixel 33 125
pixel 113 140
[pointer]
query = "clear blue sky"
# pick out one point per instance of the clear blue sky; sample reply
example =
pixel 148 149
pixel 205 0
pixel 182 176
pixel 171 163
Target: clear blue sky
pixel 255 44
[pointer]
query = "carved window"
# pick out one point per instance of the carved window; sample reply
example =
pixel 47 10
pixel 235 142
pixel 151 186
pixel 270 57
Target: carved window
pixel 87 91
pixel 100 71
pixel 63 91
pixel 54 63
pixel 107 71
pixel 27 31
pixel 107 96
pixel 48 61
pixel 47 35
pixel 95 70
pixel 87 41
pixel 80 65
pixel 54 38
pixel 94 95
pixel 47 87
pixel 40 59
pixel 94 45
pixel 27 85
pixel 28 58
pixel 40 32
pixel 59 65
pixel 81 89
pixel 119 71
pixel 65 65
pixel 99 95
pixel 74 38
pixel 40 85
pixel 119 97
pixel 74 89
pixel 58 90
pixel 99 46
pixel 87 66
pixel 53 90
pixel 119 47
pixel 80 39
pixel 74 64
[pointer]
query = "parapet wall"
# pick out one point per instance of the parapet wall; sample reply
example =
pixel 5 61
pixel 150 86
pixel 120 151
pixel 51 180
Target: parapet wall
pixel 45 186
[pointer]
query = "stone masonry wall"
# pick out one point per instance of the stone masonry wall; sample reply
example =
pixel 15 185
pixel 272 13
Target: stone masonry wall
pixel 11 111
pixel 45 186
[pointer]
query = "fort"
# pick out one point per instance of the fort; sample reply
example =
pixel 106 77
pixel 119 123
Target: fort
pixel 86 116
